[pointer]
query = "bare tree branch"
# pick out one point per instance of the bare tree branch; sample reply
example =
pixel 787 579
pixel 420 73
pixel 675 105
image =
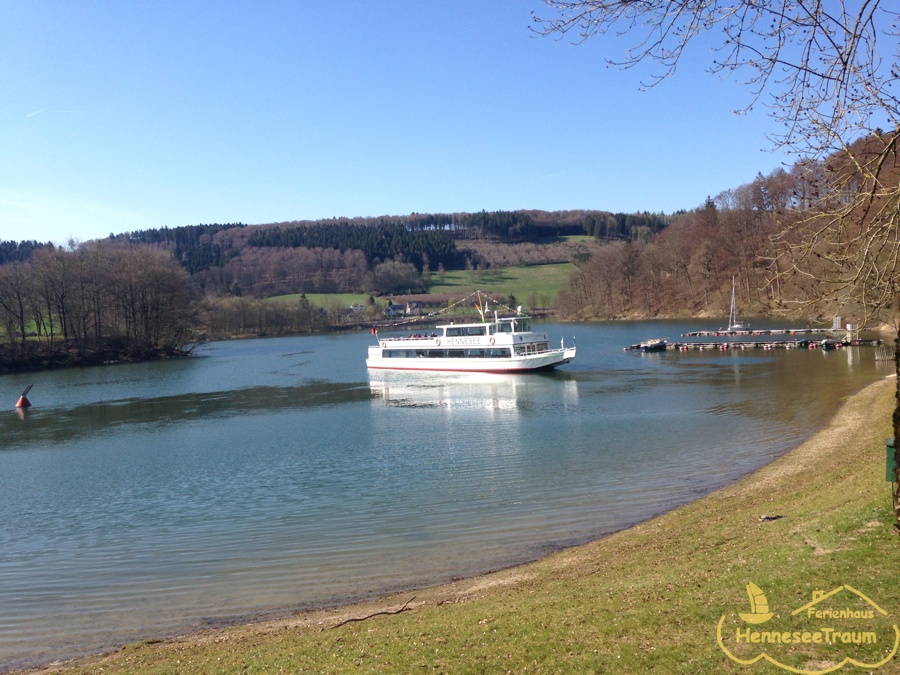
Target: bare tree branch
pixel 403 608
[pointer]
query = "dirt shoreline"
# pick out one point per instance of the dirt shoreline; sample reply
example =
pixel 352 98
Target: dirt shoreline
pixel 864 410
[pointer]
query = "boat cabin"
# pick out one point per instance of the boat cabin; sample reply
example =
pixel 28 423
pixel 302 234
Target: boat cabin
pixel 521 324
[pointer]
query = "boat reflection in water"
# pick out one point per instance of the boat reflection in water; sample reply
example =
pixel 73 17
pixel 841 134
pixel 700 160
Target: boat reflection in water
pixel 469 391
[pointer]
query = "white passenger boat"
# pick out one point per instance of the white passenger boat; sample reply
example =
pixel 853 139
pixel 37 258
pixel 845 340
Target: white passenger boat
pixel 503 345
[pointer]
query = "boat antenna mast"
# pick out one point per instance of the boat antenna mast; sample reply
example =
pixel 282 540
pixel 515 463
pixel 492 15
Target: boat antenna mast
pixel 481 306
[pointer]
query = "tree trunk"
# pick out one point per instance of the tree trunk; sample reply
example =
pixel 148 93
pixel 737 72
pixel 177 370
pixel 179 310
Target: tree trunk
pixel 896 485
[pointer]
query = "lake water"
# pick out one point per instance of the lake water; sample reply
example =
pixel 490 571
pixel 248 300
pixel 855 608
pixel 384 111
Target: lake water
pixel 266 476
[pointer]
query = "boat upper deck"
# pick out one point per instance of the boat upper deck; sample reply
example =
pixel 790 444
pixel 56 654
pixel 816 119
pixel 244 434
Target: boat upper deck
pixel 516 325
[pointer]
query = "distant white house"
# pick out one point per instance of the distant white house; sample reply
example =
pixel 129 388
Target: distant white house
pixel 413 308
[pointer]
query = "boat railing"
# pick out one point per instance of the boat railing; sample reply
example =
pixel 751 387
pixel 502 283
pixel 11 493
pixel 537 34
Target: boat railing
pixel 408 337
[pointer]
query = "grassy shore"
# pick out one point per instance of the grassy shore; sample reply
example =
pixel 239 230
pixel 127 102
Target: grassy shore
pixel 645 599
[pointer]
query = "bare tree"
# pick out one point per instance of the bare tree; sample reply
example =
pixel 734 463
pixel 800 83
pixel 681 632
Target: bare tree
pixel 817 61
pixel 15 289
pixel 829 72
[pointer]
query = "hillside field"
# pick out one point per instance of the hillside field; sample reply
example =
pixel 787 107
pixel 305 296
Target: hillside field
pixel 531 285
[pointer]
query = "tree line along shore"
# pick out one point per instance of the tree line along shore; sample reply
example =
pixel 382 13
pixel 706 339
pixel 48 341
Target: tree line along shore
pixel 151 294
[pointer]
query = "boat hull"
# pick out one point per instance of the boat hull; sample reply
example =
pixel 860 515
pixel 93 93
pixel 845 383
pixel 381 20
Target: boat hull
pixel 519 364
pixel 654 346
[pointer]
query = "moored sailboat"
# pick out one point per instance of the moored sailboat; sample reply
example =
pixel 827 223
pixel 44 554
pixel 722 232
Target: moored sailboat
pixel 733 323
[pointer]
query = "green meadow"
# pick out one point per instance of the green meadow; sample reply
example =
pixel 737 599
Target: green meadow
pixel 531 286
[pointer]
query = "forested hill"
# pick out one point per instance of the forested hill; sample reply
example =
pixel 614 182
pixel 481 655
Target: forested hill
pixel 624 265
pixel 383 242
pixel 12 251
pixel 384 255
pixel 423 239
pixel 193 246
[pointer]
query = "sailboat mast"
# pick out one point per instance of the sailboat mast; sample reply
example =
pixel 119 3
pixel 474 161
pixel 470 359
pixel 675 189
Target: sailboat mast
pixel 732 319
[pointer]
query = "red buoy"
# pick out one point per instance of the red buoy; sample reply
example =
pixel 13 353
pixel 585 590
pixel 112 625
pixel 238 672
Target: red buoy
pixel 23 401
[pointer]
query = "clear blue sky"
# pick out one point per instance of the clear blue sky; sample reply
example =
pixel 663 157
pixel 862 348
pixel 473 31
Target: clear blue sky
pixel 119 116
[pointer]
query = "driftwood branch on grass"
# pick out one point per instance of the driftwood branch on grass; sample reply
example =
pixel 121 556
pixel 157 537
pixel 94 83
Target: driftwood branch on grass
pixel 404 607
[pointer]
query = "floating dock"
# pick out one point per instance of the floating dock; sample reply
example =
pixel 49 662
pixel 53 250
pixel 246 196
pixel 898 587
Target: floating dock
pixel 767 331
pixel 742 338
pixel 764 344
pixel 836 337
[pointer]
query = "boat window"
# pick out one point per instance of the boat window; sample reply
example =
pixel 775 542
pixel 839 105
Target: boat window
pixel 452 332
pixel 456 353
pixel 522 325
pixel 505 327
pixel 436 353
pixel 475 330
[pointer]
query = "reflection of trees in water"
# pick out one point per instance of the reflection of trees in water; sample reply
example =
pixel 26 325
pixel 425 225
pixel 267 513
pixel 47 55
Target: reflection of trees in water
pixel 55 425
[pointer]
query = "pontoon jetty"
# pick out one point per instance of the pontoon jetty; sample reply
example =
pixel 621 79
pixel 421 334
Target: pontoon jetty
pixel 836 337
